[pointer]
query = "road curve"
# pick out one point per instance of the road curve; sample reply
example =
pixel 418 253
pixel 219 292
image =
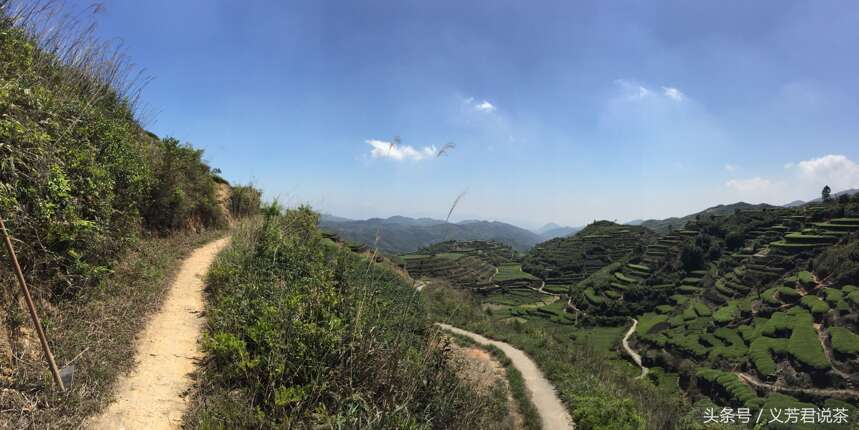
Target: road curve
pixel 635 357
pixel 552 411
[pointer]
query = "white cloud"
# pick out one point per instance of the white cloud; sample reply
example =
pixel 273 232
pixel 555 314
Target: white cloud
pixel 382 149
pixel 482 106
pixel 837 171
pixel 731 167
pixel 755 184
pixel 485 106
pixel 633 90
pixel 800 180
pixel 673 94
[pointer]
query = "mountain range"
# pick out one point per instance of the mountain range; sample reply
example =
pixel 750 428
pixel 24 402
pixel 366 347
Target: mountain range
pixel 400 234
pixel 665 225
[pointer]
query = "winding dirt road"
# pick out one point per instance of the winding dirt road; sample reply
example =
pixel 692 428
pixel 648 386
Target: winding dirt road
pixel 552 411
pixel 842 394
pixel 634 355
pixel 151 397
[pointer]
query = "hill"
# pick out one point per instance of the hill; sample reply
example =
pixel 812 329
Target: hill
pixel 736 303
pixel 567 260
pixel 665 225
pixel 398 235
pixel 559 232
pixel 795 203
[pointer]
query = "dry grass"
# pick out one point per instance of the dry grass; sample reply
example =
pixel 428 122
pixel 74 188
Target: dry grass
pixel 96 334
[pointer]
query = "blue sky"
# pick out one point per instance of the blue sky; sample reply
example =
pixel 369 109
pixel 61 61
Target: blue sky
pixel 560 111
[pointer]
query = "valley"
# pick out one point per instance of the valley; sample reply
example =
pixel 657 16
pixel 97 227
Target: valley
pixel 749 308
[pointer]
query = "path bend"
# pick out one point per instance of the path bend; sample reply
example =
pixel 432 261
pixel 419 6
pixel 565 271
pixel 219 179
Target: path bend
pixel 553 412
pixel 629 351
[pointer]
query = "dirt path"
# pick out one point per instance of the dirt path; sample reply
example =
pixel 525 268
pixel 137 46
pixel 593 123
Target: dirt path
pixel 842 394
pixel 635 357
pixel 482 371
pixel 821 337
pixel 552 411
pixel 151 397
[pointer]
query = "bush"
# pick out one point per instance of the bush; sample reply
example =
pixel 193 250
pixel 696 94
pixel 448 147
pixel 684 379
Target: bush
pixel 761 350
pixel 302 334
pixel 245 201
pixel 844 340
pixel 606 413
pixel 183 193
pixel 805 347
pixel 80 177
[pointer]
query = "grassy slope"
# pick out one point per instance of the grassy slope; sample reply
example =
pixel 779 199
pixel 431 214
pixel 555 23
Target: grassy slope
pixel 597 388
pixel 97 332
pixel 305 334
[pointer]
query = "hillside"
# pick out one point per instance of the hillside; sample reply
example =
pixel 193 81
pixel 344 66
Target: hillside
pixel 100 213
pixel 849 192
pixel 397 235
pixel 567 260
pixel 555 230
pixel 666 225
pixel 733 303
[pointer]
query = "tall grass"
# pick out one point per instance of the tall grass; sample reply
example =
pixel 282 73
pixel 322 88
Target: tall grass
pixel 304 334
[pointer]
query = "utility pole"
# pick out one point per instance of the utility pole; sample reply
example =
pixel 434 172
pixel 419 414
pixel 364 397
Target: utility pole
pixel 32 308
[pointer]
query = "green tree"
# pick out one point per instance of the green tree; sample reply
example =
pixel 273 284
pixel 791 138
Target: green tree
pixel 843 199
pixel 826 194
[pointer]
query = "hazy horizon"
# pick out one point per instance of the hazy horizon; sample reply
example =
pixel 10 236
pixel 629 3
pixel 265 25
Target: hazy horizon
pixel 560 112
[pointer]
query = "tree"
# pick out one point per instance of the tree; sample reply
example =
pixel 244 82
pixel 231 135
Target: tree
pixel 692 257
pixel 855 198
pixel 826 194
pixel 843 199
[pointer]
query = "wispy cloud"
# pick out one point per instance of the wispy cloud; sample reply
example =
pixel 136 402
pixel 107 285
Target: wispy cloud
pixel 799 180
pixel 755 184
pixel 634 90
pixel 390 150
pixel 731 167
pixel 479 106
pixel 673 94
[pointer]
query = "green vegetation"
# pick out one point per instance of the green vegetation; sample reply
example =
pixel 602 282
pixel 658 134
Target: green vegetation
pixel 844 341
pixel 302 334
pixel 568 260
pixel 512 271
pixel 582 363
pixel 730 386
pixel 100 211
pixel 530 416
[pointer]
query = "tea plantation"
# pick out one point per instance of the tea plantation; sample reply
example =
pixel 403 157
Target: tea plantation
pixel 755 309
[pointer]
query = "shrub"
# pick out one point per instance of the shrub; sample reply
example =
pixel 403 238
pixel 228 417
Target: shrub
pixel 761 350
pixel 183 194
pixel 606 413
pixel 245 201
pixel 844 340
pixel 726 313
pixel 805 347
pixel 80 176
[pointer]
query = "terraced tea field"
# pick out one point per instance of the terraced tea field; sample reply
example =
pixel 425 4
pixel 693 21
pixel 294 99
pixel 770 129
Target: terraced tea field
pixel 730 308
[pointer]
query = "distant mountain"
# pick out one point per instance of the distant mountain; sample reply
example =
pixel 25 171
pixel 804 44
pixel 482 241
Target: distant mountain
pixel 398 234
pixel 552 230
pixel 548 227
pixel 559 232
pixel 635 222
pixel 665 225
pixel 796 203
pixel 332 218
